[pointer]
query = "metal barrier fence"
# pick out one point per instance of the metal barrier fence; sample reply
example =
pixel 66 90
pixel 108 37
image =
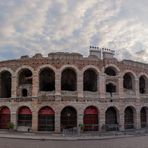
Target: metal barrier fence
pixel 107 130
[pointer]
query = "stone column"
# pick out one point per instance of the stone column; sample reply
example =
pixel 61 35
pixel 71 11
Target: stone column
pixel 58 85
pixel 14 87
pixel 137 120
pixel 121 121
pixel 35 84
pixel 102 85
pixel 14 118
pixel 137 88
pixel 35 115
pixel 57 122
pixel 34 121
pixel 80 84
pixel 101 119
pixel 120 87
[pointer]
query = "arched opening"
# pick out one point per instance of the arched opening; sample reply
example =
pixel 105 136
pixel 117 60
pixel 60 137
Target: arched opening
pixel 111 120
pixel 128 81
pixel 68 118
pixel 24 93
pixel 129 118
pixel 4 117
pixel 142 85
pixel 90 119
pixel 47 80
pixel 24 117
pixel 25 77
pixel 110 88
pixel 46 119
pixel 25 83
pixel 110 71
pixel 90 80
pixel 69 80
pixel 143 117
pixel 5 84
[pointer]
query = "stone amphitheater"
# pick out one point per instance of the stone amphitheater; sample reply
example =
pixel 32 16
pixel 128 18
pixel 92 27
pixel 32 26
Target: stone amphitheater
pixel 68 90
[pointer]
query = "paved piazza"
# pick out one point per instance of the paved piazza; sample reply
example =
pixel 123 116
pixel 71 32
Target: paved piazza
pixel 132 142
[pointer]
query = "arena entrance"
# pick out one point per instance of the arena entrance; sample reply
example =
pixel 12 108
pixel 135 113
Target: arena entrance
pixel 111 119
pixel 24 117
pixel 4 117
pixel 46 119
pixel 90 119
pixel 68 118
pixel 128 118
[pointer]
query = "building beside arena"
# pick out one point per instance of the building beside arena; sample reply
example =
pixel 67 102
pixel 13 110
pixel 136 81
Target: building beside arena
pixel 67 90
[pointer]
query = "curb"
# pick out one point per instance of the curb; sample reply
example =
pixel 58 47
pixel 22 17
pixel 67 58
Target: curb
pixel 43 138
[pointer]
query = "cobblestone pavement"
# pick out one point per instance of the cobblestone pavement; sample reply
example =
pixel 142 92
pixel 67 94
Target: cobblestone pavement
pixel 128 142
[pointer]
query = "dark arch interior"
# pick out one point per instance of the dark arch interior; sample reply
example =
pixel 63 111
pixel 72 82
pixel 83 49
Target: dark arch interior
pixel 24 93
pixel 142 85
pixel 143 117
pixel 46 119
pixel 110 88
pixel 110 71
pixel 90 80
pixel 68 118
pixel 129 118
pixel 47 80
pixel 69 80
pixel 111 119
pixel 127 81
pixel 25 77
pixel 90 119
pixel 5 84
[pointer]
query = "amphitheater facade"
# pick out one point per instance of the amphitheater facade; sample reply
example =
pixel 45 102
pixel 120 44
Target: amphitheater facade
pixel 67 90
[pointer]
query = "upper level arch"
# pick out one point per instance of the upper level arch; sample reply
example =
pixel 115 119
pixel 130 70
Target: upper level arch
pixel 111 70
pixel 46 79
pixel 129 79
pixel 5 84
pixel 69 77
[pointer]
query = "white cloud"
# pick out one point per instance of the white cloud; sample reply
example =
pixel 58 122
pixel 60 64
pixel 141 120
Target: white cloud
pixel 59 25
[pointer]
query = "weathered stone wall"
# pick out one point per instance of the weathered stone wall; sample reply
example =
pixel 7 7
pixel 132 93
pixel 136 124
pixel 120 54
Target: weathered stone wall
pixel 79 99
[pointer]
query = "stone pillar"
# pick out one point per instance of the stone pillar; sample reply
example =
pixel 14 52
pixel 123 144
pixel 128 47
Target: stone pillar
pixel 137 120
pixel 14 118
pixel 58 85
pixel 120 87
pixel 121 121
pixel 80 84
pixel 14 87
pixel 101 119
pixel 35 84
pixel 57 122
pixel 101 86
pixel 34 121
pixel 137 88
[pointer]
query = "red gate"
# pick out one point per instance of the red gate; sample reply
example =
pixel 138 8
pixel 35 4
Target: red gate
pixel 24 116
pixel 46 119
pixel 4 117
pixel 90 119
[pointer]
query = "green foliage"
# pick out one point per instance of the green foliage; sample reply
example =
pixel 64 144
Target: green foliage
pixel 10 125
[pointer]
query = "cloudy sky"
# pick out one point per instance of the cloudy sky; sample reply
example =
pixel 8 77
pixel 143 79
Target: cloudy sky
pixel 32 26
